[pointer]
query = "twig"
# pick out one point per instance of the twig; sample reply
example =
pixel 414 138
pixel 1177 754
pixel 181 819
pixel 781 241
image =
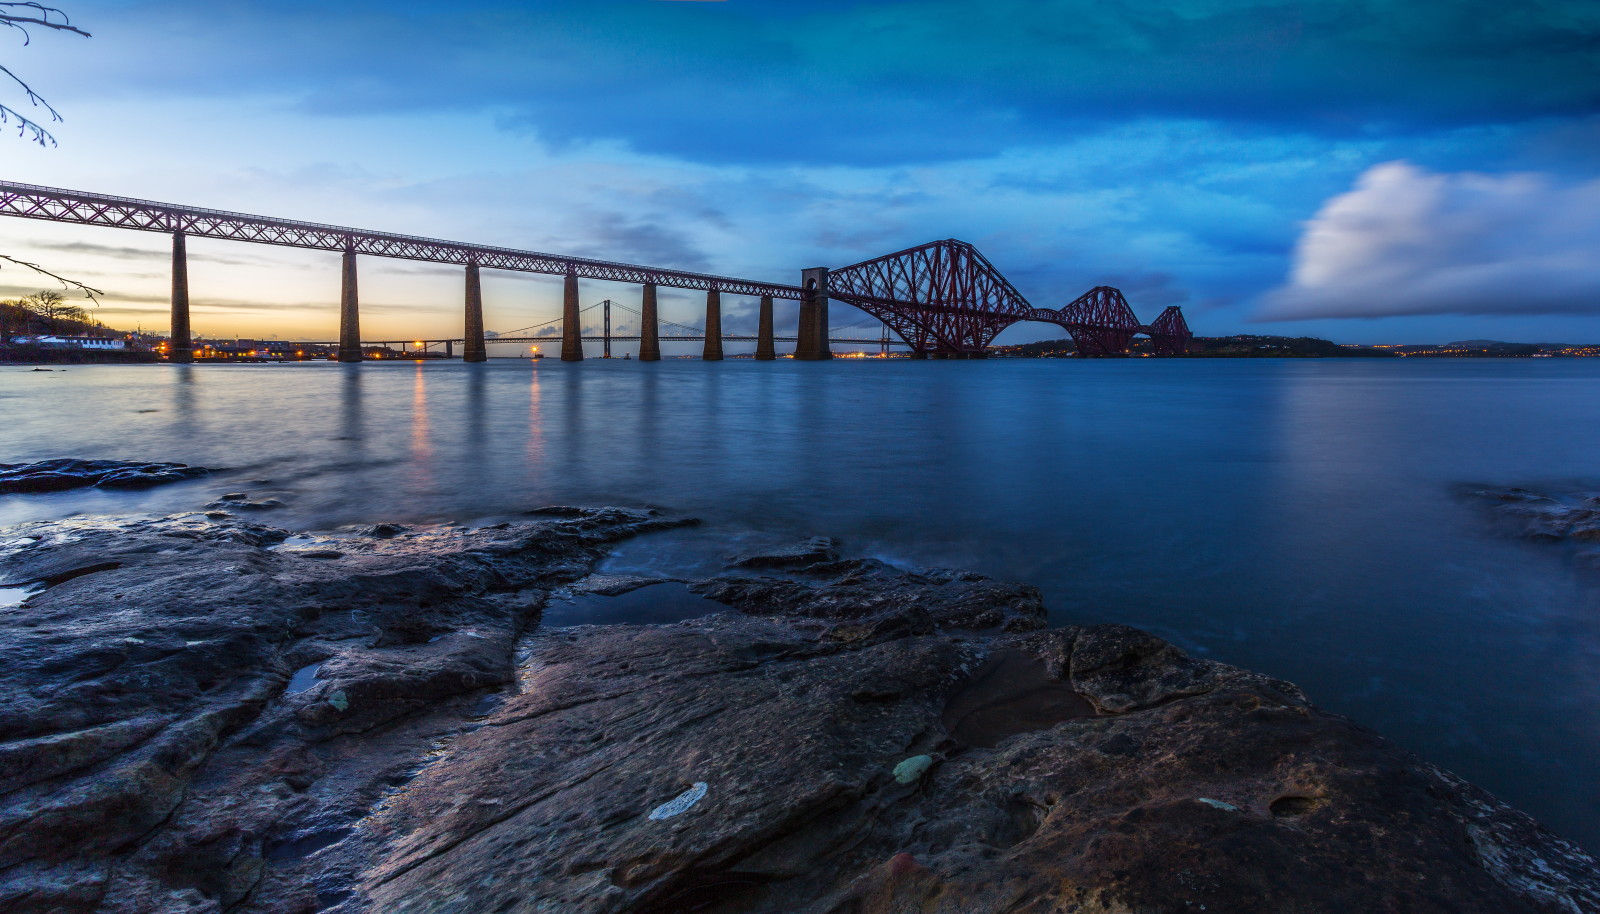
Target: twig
pixel 64 282
pixel 26 125
pixel 19 22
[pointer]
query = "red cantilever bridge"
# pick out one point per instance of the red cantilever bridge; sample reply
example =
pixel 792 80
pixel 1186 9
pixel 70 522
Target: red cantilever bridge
pixel 943 299
pixel 946 299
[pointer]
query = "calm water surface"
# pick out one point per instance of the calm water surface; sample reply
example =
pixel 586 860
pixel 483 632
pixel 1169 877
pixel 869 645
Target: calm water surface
pixel 1295 517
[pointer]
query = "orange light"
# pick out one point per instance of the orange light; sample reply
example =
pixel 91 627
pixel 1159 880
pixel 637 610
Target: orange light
pixel 417 344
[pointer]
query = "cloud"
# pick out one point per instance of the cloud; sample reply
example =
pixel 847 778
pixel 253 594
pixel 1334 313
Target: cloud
pixel 1407 241
pixel 879 82
pixel 610 236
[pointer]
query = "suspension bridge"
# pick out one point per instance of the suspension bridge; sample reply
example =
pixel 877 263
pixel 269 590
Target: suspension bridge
pixel 942 299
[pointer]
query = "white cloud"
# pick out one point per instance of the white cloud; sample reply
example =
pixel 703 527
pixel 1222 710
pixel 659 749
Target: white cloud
pixel 1409 241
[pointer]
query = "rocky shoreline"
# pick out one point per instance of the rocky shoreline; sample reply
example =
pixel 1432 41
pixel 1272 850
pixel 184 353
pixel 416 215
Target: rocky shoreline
pixel 206 714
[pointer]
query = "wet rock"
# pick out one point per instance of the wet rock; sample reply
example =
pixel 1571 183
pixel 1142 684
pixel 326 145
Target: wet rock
pixel 67 473
pixel 1512 494
pixel 799 555
pixel 613 585
pixel 865 599
pixel 153 756
pixel 240 504
pixel 1210 788
pixel 1541 517
pixel 195 720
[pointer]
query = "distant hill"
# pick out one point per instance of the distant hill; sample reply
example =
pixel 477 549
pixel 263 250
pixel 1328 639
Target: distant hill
pixel 1217 347
pixel 1250 346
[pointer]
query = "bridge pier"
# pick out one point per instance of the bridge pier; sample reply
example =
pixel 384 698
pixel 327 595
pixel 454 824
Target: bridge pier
pixel 713 350
pixel 812 339
pixel 450 349
pixel 349 312
pixel 649 327
pixel 571 331
pixel 764 348
pixel 181 348
pixel 474 349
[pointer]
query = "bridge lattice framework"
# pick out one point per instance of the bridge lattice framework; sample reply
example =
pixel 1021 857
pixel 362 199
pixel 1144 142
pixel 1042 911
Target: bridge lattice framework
pixel 943 298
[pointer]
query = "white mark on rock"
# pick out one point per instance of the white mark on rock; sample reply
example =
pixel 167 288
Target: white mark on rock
pixel 912 769
pixel 1229 807
pixel 681 803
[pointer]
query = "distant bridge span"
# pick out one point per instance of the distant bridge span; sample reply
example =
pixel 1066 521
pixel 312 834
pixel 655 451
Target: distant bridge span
pixel 944 299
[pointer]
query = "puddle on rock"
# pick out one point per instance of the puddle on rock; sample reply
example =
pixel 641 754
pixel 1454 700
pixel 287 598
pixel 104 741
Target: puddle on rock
pixel 656 604
pixel 303 678
pixel 685 552
pixel 1012 693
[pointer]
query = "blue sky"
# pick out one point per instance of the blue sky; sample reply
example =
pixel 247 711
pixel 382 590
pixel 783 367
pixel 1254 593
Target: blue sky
pixel 1360 170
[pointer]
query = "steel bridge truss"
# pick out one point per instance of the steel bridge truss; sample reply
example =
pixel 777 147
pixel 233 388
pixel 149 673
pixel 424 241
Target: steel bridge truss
pixel 58 205
pixel 945 298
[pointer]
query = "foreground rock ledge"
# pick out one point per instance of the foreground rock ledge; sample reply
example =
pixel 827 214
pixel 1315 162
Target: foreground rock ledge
pixel 202 717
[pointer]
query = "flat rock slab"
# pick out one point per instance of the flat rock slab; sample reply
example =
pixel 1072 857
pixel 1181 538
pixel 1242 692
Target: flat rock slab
pixel 197 721
pixel 797 555
pixel 67 473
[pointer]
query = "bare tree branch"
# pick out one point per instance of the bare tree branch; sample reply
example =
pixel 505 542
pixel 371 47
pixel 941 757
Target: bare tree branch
pixel 43 12
pixel 66 283
pixel 20 15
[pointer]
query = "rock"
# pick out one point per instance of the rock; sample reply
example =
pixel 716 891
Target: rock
pixel 912 769
pixel 865 598
pixel 1532 515
pixel 613 585
pixel 195 721
pixel 1260 801
pixel 67 473
pixel 153 757
pixel 238 504
pixel 814 550
pixel 1586 527
pixel 1512 494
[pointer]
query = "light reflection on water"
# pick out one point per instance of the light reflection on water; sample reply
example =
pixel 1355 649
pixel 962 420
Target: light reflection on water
pixel 1295 517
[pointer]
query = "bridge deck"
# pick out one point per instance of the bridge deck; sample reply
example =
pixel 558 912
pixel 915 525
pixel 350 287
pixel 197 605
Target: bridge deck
pixel 56 204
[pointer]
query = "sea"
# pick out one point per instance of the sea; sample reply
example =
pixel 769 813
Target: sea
pixel 1306 518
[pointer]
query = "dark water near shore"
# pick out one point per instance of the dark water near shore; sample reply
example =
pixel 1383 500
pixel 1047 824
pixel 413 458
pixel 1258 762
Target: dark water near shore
pixel 1295 517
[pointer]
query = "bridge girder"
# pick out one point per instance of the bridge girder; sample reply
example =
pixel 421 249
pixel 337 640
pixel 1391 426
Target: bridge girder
pixel 940 297
pixel 945 297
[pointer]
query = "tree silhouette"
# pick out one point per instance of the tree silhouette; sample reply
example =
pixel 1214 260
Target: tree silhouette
pixel 22 16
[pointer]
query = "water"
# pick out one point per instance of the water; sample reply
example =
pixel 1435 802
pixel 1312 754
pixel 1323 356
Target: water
pixel 655 604
pixel 1295 517
pixel 303 678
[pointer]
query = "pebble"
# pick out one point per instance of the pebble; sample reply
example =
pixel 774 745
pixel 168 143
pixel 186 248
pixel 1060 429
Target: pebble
pixel 912 769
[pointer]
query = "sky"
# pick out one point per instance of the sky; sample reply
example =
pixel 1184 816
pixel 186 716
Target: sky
pixel 1358 170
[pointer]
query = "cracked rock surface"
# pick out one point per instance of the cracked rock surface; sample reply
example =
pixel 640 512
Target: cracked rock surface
pixel 213 717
